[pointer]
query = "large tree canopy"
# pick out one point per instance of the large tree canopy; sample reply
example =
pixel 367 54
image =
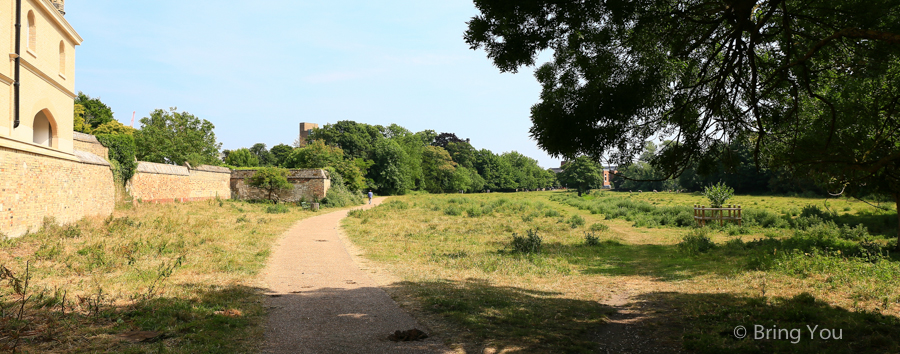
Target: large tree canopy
pixel 813 84
pixel 809 78
pixel 175 137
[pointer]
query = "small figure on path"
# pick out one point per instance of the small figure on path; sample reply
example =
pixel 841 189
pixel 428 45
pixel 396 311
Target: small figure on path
pixel 370 196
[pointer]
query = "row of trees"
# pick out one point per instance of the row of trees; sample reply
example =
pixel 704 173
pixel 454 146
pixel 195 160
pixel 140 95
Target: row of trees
pixel 394 160
pixel 166 136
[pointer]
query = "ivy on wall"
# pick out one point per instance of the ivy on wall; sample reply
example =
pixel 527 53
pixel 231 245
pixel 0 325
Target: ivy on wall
pixel 121 155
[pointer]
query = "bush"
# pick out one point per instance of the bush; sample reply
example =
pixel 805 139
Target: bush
pixel 576 221
pixel 718 194
pixel 277 209
pixel 453 210
pixel 590 239
pixel 526 244
pixel 339 195
pixel 599 227
pixel 696 242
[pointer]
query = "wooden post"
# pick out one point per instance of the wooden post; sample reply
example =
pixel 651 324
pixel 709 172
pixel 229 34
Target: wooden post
pixel 740 217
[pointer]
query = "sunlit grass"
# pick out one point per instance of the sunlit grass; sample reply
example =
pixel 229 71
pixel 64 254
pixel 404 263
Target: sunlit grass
pixel 185 271
pixel 453 254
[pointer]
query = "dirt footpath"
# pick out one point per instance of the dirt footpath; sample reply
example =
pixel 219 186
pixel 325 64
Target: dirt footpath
pixel 321 302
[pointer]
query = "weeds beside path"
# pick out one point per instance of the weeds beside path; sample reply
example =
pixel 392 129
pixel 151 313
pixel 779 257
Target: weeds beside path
pixel 320 301
pixel 175 278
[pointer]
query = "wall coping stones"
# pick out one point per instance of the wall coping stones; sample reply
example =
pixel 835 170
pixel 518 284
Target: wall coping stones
pixel 210 168
pixel 90 158
pixel 292 174
pixel 162 169
pixel 88 138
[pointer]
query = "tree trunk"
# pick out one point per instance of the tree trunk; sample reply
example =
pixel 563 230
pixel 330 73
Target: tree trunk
pixel 897 200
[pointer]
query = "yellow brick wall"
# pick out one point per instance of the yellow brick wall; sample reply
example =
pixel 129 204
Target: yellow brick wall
pixel 33 187
pixel 205 184
pixel 94 148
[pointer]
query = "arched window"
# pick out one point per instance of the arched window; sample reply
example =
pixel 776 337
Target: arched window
pixel 32 31
pixel 62 58
pixel 43 130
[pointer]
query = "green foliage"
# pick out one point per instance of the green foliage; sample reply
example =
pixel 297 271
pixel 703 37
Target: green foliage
pixel 590 239
pixel 357 140
pixel 318 155
pixel 583 174
pixel 696 241
pixel 339 196
pixel 277 209
pixel 171 136
pixel 113 127
pixel 95 112
pixel 390 169
pixel 262 155
pixel 241 158
pixel 576 221
pixel 531 243
pixel 718 194
pixel 281 152
pixel 78 123
pixel 272 180
pixel 121 155
pixel 599 227
pixel 438 169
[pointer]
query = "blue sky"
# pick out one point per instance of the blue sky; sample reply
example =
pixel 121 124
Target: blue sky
pixel 256 69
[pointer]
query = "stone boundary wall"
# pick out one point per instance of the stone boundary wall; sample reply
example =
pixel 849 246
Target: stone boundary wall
pixel 34 186
pixel 89 143
pixel 161 183
pixel 309 185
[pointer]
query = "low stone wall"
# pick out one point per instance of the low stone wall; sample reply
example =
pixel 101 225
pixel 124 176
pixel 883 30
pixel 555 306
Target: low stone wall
pixel 160 183
pixel 309 185
pixel 89 143
pixel 34 186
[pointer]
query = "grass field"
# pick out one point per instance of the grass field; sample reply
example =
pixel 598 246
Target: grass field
pixel 179 275
pixel 687 288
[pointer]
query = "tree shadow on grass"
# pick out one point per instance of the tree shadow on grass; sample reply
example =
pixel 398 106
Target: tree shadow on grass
pixel 212 318
pixel 510 319
pixel 661 262
pixel 707 323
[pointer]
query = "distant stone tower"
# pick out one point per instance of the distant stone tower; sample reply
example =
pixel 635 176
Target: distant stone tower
pixel 60 5
pixel 305 129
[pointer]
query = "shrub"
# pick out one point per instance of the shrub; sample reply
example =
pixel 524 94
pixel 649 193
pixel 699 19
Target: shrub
pixel 453 210
pixel 696 242
pixel 551 213
pixel 576 221
pixel 599 227
pixel 718 194
pixel 590 239
pixel 526 244
pixel 339 195
pixel 277 209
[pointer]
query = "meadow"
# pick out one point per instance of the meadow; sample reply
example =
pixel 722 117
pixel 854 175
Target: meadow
pixel 152 278
pixel 554 272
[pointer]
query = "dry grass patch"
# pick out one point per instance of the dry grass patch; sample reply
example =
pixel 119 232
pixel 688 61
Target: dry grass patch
pixel 173 277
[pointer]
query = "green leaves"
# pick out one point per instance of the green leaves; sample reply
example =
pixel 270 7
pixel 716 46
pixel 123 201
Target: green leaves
pixel 718 194
pixel 270 179
pixel 171 136
pixel 121 155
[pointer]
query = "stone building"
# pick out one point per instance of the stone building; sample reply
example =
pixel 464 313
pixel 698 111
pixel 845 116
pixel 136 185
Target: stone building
pixel 305 130
pixel 42 174
pixel 39 84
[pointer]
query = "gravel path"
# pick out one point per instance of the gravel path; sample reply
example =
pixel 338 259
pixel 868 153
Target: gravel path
pixel 321 302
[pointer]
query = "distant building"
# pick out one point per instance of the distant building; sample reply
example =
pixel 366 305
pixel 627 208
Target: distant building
pixel 305 130
pixel 608 172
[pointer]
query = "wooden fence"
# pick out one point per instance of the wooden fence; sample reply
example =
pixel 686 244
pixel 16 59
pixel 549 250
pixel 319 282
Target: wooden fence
pixel 727 213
